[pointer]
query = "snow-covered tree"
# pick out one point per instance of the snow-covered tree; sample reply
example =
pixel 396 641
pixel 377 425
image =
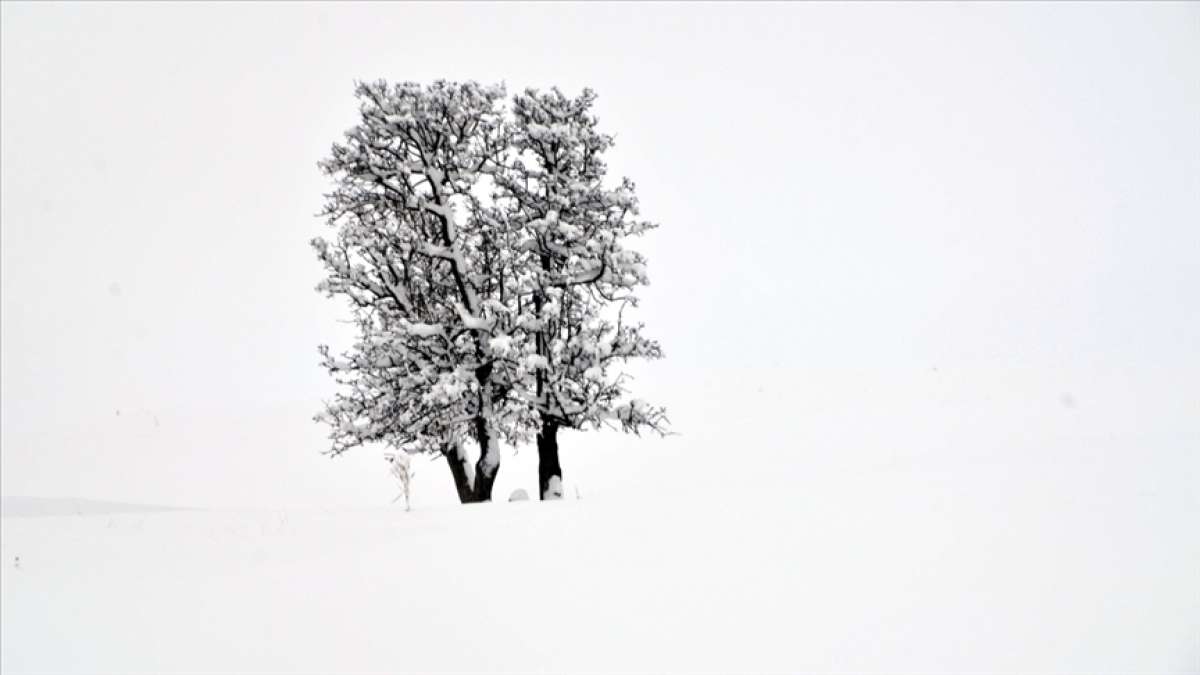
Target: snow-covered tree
pixel 577 275
pixel 420 275
pixel 488 270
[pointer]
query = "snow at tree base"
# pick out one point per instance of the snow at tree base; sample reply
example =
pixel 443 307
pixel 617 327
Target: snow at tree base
pixel 487 268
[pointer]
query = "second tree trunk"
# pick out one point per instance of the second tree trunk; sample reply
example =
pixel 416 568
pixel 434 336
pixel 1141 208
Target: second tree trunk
pixel 549 471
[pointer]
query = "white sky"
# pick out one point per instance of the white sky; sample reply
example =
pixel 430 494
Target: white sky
pixel 945 237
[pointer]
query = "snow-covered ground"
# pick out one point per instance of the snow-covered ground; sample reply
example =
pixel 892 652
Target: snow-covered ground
pixel 44 506
pixel 907 571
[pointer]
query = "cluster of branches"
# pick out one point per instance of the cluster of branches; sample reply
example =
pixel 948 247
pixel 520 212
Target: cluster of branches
pixel 486 265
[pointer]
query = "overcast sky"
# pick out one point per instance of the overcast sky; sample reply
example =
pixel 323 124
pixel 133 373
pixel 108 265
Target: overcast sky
pixel 894 237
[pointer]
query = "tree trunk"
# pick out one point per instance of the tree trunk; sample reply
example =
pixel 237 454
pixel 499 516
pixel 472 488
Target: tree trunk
pixel 472 486
pixel 462 478
pixel 549 470
pixel 488 464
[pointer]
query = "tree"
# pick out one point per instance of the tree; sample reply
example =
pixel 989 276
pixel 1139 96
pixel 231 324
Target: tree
pixel 421 376
pixel 576 267
pixel 487 271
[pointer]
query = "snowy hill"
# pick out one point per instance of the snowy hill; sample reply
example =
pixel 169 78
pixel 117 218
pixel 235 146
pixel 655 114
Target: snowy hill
pixel 938 580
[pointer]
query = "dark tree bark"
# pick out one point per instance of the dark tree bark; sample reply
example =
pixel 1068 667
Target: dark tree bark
pixel 483 479
pixel 548 466
pixel 458 469
pixel 468 493
pixel 479 489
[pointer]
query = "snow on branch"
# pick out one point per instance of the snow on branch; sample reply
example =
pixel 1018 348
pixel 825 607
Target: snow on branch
pixel 486 258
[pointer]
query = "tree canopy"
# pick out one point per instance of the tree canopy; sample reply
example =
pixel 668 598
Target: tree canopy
pixel 488 271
